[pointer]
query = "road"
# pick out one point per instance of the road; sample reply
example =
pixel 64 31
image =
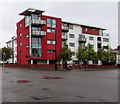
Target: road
pixel 71 86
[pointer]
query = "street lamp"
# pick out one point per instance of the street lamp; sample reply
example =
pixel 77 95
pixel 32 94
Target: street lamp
pixel 55 52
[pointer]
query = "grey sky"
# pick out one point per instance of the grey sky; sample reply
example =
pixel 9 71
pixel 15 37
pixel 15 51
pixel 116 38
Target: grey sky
pixel 101 14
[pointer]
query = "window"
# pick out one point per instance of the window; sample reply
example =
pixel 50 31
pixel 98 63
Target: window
pixel 71 26
pixel 36 47
pixel 20 25
pixel 73 53
pixel 20 34
pixel 26 46
pixel 27 20
pixel 27 36
pixel 51 30
pixel 92 45
pixel 63 33
pixel 86 29
pixel 91 38
pixel 81 36
pixel 51 42
pixel 105 40
pixel 72 44
pixel 36 52
pixel 105 47
pixel 36 42
pixel 20 52
pixel 36 29
pixel 71 36
pixel 20 43
pixel 93 29
pixel 51 51
pixel 51 23
pixel 35 16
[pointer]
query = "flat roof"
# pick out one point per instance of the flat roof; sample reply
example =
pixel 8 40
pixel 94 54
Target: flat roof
pixel 84 25
pixel 31 10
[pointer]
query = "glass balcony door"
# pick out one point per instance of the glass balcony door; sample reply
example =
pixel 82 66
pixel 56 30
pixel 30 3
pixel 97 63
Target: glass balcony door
pixel 36 47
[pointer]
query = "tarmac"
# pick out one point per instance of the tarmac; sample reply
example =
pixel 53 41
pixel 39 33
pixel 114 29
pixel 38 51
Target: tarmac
pixel 26 85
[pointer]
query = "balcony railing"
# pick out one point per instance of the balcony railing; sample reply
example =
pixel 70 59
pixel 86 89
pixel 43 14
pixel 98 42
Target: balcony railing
pixel 99 41
pixel 82 39
pixel 65 28
pixel 38 33
pixel 64 37
pixel 38 22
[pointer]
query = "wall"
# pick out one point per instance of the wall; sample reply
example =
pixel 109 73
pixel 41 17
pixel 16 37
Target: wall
pixel 90 30
pixel 22 58
pixel 76 31
pixel 52 66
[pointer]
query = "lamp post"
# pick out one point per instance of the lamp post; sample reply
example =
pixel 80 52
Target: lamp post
pixel 55 52
pixel 4 56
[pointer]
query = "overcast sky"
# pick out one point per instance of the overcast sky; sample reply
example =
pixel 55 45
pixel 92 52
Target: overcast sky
pixel 100 14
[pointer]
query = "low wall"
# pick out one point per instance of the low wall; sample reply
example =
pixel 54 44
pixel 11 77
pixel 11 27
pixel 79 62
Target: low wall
pixel 52 66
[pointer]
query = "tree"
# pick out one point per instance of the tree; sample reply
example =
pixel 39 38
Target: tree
pixel 66 55
pixel 100 53
pixel 6 53
pixel 91 54
pixel 81 55
pixel 108 57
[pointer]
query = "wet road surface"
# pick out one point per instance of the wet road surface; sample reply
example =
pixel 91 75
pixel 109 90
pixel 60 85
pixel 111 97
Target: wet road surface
pixel 24 85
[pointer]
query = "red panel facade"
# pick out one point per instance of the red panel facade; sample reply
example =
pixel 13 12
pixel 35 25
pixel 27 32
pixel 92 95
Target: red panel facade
pixel 90 30
pixel 23 52
pixel 22 42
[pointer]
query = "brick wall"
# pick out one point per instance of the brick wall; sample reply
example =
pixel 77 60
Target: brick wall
pixel 52 66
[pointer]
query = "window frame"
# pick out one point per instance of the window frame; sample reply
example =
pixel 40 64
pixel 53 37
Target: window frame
pixel 72 44
pixel 91 38
pixel 71 35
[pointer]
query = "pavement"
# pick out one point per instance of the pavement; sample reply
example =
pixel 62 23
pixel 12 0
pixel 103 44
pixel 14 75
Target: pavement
pixel 26 85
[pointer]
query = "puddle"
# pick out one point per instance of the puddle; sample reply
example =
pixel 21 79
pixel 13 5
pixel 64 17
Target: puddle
pixel 51 77
pixel 7 72
pixel 30 85
pixel 43 96
pixel 78 96
pixel 23 81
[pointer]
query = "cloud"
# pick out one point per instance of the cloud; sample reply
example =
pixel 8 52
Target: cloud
pixel 102 14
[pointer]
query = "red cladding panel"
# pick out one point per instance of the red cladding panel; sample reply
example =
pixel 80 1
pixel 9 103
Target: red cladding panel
pixel 22 51
pixel 90 30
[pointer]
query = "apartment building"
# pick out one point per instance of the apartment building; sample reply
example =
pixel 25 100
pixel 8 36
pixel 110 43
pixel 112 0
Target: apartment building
pixel 40 38
pixel 13 45
pixel 117 51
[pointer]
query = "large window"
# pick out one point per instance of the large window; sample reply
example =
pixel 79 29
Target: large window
pixel 72 44
pixel 51 30
pixel 51 23
pixel 71 36
pixel 105 40
pixel 35 16
pixel 51 42
pixel 36 47
pixel 27 20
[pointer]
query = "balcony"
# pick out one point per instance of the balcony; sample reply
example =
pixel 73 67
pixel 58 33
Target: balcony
pixel 64 37
pixel 99 41
pixel 65 28
pixel 38 22
pixel 82 40
pixel 38 33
